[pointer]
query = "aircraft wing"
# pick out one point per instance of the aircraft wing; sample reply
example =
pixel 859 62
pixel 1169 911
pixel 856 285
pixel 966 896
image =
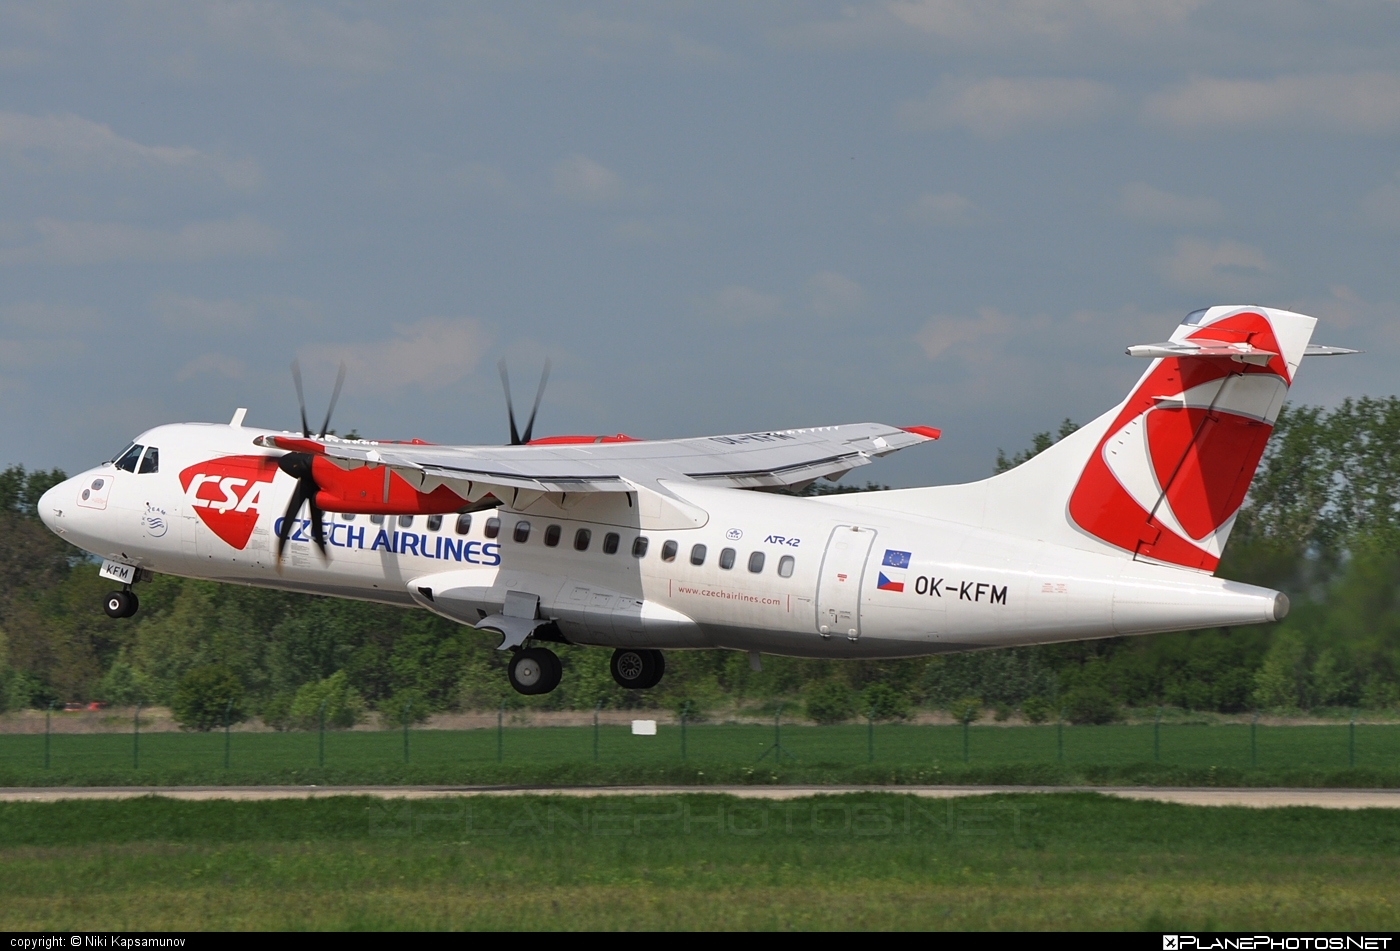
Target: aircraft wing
pixel 782 458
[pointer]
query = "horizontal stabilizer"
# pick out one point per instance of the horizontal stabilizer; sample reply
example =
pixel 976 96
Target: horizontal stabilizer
pixel 1239 352
pixel 1318 350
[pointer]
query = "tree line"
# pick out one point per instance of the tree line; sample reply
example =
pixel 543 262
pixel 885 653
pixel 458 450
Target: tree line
pixel 1321 523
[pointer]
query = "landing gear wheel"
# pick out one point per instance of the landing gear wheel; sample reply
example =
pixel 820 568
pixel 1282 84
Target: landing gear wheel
pixel 121 604
pixel 635 668
pixel 535 670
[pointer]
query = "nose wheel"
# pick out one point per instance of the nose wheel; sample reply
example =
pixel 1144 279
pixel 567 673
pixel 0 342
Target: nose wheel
pixel 535 670
pixel 636 668
pixel 121 604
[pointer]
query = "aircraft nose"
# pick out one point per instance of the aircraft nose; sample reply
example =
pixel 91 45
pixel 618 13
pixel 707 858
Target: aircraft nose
pixel 53 505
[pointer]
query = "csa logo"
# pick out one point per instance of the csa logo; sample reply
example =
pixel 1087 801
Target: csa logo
pixel 227 493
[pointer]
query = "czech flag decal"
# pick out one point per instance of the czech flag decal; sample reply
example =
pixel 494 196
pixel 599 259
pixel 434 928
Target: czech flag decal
pixel 892 570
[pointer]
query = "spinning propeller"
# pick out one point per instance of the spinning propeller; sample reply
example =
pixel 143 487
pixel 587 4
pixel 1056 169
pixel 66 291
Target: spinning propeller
pixel 516 437
pixel 298 466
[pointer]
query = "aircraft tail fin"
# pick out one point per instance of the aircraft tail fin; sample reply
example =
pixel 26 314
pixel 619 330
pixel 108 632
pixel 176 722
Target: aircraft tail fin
pixel 1160 477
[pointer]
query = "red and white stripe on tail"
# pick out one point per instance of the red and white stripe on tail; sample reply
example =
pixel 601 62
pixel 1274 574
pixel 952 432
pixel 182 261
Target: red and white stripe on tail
pixel 1171 469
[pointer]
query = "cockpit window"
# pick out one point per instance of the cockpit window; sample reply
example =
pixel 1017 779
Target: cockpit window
pixel 127 460
pixel 150 462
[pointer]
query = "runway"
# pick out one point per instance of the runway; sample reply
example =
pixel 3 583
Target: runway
pixel 1262 798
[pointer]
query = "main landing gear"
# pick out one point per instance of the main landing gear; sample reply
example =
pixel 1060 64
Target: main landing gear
pixel 536 670
pixel 121 604
pixel 637 668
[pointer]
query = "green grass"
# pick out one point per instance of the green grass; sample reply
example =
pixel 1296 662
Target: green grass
pixel 722 753
pixel 1072 861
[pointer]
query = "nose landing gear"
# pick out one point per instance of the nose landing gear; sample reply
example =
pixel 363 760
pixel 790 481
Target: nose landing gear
pixel 121 604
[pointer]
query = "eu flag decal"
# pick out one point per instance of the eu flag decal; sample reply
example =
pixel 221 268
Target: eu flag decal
pixel 896 559
pixel 892 570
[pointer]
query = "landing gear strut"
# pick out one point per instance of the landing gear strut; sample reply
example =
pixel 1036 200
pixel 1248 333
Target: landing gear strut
pixel 535 670
pixel 121 604
pixel 637 668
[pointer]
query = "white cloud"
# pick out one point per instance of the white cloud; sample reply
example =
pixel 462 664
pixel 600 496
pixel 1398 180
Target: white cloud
pixel 740 305
pixel 303 35
pixel 995 20
pixel 943 333
pixel 1222 267
pixel 835 295
pixel 431 353
pixel 1356 102
pixel 49 319
pixel 580 179
pixel 179 312
pixel 99 242
pixel 945 209
pixel 213 364
pixel 1142 202
pixel 602 37
pixel 999 106
pixel 1380 208
pixel 72 142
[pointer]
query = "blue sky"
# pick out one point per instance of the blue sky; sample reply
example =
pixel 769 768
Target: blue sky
pixel 713 217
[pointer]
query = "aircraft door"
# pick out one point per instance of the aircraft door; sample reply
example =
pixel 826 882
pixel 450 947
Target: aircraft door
pixel 843 570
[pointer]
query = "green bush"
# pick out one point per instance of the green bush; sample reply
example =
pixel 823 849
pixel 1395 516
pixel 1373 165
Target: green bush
pixel 343 705
pixel 1090 704
pixel 830 701
pixel 124 685
pixel 882 702
pixel 1037 709
pixel 405 708
pixel 966 710
pixel 277 711
pixel 203 696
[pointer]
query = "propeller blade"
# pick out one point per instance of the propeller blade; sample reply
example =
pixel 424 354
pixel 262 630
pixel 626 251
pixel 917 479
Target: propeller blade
pixel 539 395
pixel 510 408
pixel 335 395
pixel 301 399
pixel 293 510
pixel 318 534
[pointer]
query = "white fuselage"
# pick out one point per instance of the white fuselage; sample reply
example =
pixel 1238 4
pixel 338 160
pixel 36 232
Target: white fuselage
pixel 816 577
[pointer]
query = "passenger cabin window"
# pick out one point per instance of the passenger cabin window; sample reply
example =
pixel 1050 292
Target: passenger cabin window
pixel 726 558
pixel 150 462
pixel 551 535
pixel 128 459
pixel 434 522
pixel 582 538
pixel 464 524
pixel 668 551
pixel 493 527
pixel 785 566
pixel 697 554
pixel 522 532
pixel 610 541
pixel 756 562
pixel 639 547
pixel 405 521
pixel 377 519
pixel 349 516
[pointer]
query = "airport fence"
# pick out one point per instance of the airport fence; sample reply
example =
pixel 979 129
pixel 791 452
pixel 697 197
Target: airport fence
pixel 742 749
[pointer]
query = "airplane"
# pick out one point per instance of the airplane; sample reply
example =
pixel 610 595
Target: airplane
pixel 699 543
